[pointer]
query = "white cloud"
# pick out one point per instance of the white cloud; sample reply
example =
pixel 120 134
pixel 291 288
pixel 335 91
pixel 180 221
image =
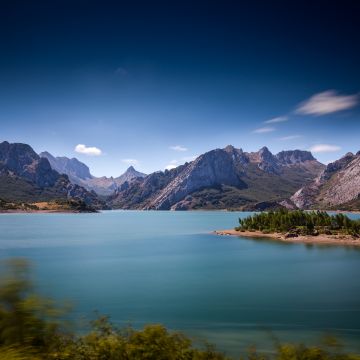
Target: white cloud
pixel 189 158
pixel 88 150
pixel 327 102
pixel 178 148
pixel 133 162
pixel 175 163
pixel 170 166
pixel 264 130
pixel 290 137
pixel 277 119
pixel 324 148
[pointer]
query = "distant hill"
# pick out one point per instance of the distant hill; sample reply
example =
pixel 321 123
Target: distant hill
pixel 27 177
pixel 337 187
pixel 79 174
pixel 222 178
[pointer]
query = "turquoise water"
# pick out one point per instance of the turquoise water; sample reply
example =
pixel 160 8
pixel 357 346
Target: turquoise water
pixel 167 267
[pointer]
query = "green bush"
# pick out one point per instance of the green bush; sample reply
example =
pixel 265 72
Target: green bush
pixel 31 329
pixel 301 222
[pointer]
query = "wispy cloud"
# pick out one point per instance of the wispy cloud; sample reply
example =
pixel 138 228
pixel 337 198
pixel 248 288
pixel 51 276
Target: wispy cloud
pixel 290 137
pixel 133 162
pixel 88 150
pixel 277 119
pixel 175 163
pixel 327 102
pixel 264 130
pixel 178 148
pixel 324 148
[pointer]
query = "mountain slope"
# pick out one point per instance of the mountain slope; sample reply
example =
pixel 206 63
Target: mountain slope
pixel 338 184
pixel 79 174
pixel 73 168
pixel 25 176
pixel 222 178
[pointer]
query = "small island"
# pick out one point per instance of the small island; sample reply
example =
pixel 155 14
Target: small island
pixel 313 227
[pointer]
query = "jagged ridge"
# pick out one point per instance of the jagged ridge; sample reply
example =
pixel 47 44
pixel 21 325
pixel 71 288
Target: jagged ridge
pixel 79 174
pixel 222 178
pixel 338 184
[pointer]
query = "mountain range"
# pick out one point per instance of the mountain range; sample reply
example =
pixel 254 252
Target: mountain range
pixel 227 178
pixel 79 174
pixel 27 177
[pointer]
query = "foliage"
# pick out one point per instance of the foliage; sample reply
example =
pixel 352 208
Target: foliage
pixel 31 329
pixel 301 222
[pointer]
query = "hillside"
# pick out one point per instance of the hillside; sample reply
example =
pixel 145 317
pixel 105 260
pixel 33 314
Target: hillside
pixel 338 186
pixel 220 179
pixel 26 177
pixel 79 174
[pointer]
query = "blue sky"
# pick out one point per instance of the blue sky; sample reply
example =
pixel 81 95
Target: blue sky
pixel 154 85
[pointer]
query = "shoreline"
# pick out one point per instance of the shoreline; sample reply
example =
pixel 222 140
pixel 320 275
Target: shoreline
pixel 322 239
pixel 20 211
pixel 49 211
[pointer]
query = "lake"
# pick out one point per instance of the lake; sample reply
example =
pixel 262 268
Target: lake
pixel 166 267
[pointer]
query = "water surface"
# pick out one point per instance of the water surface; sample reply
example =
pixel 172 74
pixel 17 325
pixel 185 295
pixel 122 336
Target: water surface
pixel 167 267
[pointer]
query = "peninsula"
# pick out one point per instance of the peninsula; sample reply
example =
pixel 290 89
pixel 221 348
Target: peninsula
pixel 312 227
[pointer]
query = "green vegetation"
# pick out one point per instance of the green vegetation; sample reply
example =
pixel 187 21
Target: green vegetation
pixel 300 223
pixel 33 327
pixel 16 189
pixel 72 205
pixel 9 206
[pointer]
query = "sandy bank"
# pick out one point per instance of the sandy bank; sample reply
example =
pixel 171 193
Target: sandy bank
pixel 347 240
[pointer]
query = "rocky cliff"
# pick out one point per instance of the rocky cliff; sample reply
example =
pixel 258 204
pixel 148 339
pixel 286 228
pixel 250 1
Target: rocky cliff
pixel 25 176
pixel 222 178
pixel 337 185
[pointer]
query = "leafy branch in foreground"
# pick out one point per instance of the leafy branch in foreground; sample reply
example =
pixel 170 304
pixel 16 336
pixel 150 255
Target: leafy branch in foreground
pixel 31 328
pixel 300 222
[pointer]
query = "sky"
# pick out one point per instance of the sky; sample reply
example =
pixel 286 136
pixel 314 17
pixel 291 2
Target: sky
pixel 156 83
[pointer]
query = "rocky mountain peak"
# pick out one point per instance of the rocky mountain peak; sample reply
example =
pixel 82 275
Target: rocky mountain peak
pixel 73 168
pixel 21 160
pixel 292 157
pixel 339 183
pixel 130 174
pixel 237 155
pixel 337 165
pixel 213 168
pixel 265 150
pixel 266 160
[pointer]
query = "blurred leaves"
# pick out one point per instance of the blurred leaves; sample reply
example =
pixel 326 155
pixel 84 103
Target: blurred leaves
pixel 33 327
